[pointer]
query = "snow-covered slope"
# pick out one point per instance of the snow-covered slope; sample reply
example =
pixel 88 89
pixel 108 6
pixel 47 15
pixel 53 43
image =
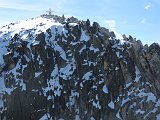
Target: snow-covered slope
pixel 57 68
pixel 34 25
pixel 26 29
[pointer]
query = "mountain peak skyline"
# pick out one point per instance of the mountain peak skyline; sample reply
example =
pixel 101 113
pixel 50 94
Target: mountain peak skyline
pixel 57 68
pixel 138 18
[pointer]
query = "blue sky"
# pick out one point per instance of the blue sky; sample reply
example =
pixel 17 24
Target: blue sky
pixel 139 18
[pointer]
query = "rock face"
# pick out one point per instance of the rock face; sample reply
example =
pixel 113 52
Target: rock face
pixel 57 68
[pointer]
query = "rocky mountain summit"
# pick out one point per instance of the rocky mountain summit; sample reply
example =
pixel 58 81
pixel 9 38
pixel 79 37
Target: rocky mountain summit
pixel 57 68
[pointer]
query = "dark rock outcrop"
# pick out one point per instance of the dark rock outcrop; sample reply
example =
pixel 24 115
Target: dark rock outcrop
pixel 76 70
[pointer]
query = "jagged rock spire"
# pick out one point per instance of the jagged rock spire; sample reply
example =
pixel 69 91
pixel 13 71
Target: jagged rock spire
pixel 71 69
